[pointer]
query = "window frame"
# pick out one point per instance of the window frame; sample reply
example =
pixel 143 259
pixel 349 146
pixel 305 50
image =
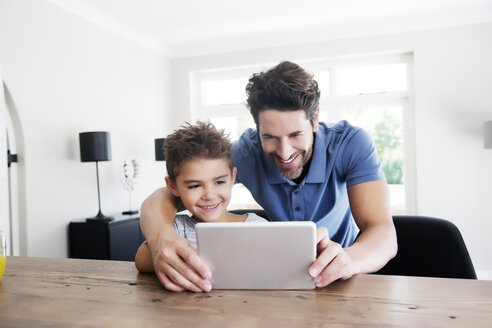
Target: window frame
pixel 334 102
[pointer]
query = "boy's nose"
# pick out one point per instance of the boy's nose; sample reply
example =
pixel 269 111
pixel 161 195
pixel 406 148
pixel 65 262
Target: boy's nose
pixel 207 193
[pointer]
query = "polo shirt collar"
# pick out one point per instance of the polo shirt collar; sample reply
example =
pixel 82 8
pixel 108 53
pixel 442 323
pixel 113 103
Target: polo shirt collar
pixel 317 169
pixel 316 172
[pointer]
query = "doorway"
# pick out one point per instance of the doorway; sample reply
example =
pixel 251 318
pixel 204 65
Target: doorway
pixel 8 177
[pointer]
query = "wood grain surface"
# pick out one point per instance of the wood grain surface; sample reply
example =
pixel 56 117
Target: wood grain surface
pixel 45 292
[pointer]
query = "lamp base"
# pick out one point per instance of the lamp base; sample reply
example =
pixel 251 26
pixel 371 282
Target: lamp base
pixel 100 218
pixel 129 212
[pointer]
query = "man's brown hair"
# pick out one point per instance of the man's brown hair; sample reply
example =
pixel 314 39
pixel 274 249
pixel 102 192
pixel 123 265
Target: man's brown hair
pixel 285 87
pixel 201 140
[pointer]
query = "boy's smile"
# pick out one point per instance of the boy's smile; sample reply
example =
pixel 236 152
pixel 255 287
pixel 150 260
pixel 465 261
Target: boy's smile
pixel 204 186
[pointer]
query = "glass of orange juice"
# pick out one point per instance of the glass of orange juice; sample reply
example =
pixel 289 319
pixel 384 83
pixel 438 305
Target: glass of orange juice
pixel 3 253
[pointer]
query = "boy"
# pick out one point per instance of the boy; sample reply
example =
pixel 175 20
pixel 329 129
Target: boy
pixel 201 174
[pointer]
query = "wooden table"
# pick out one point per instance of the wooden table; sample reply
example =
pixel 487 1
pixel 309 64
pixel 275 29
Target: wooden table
pixel 42 292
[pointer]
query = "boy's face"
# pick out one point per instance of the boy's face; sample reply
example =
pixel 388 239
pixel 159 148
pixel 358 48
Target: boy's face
pixel 204 186
pixel 287 138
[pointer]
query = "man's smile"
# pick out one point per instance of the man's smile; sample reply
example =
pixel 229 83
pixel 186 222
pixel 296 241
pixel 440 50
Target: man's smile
pixel 290 160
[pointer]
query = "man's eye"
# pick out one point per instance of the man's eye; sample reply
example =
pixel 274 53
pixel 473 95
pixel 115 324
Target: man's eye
pixel 193 186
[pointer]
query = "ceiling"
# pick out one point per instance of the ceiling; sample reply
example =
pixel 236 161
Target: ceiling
pixel 183 28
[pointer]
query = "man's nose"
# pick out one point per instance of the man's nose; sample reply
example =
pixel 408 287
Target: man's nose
pixel 284 149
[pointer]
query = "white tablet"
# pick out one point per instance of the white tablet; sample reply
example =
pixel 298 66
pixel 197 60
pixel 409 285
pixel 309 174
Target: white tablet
pixel 258 255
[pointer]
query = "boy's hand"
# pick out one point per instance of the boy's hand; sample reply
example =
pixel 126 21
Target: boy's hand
pixel 178 266
pixel 333 261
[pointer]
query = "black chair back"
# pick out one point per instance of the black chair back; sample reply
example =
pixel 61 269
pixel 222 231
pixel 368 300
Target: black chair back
pixel 429 247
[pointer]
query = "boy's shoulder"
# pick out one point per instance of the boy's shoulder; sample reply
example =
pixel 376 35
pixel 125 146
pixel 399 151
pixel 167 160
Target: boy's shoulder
pixel 183 222
pixel 252 217
pixel 184 225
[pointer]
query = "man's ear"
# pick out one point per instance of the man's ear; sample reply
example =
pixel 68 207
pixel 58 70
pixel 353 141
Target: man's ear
pixel 234 172
pixel 172 186
pixel 316 121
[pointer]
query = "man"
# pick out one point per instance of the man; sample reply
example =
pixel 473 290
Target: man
pixel 297 169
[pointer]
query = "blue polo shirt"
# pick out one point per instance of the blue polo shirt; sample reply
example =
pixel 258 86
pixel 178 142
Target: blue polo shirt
pixel 343 156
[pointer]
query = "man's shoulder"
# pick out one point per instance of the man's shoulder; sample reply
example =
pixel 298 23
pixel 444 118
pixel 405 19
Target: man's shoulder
pixel 247 144
pixel 338 128
pixel 342 133
pixel 250 137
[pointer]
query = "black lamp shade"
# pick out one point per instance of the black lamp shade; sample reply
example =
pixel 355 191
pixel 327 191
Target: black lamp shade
pixel 95 146
pixel 159 151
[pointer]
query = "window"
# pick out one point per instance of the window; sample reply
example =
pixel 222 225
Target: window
pixel 371 92
pixel 221 98
pixel 374 93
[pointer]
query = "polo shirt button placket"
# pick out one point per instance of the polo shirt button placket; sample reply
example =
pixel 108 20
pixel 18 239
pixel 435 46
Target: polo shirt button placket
pixel 297 205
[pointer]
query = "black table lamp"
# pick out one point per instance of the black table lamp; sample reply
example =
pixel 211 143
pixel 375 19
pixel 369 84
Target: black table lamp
pixel 159 152
pixel 96 147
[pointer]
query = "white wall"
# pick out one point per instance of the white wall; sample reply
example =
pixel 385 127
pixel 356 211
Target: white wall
pixel 453 84
pixel 65 75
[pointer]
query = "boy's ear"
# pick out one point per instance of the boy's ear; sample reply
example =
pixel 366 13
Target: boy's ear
pixel 172 187
pixel 234 172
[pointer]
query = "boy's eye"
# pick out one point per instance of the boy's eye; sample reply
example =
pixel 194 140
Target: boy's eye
pixel 219 182
pixel 194 186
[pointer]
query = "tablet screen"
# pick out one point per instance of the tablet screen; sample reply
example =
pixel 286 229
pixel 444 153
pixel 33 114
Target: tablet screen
pixel 274 255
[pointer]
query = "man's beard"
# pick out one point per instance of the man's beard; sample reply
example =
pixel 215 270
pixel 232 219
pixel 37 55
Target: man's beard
pixel 296 171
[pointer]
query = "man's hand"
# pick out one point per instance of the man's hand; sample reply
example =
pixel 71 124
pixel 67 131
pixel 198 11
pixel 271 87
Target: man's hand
pixel 333 261
pixel 176 263
pixel 178 266
pixel 375 245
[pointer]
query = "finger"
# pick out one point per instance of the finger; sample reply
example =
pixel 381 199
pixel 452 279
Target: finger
pixel 324 259
pixel 191 257
pixel 181 273
pixel 336 270
pixel 322 238
pixel 176 279
pixel 321 233
pixel 168 284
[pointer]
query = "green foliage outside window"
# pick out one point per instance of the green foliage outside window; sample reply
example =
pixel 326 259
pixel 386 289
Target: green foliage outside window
pixel 385 126
pixel 389 147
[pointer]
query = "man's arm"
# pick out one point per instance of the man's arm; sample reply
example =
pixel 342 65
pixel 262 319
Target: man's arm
pixel 176 263
pixel 375 246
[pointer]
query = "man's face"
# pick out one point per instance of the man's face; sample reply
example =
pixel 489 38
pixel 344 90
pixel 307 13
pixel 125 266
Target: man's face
pixel 287 138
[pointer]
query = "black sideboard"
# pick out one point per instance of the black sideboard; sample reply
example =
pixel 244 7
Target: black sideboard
pixel 114 240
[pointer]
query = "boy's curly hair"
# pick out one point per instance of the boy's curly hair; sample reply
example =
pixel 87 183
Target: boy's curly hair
pixel 201 140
